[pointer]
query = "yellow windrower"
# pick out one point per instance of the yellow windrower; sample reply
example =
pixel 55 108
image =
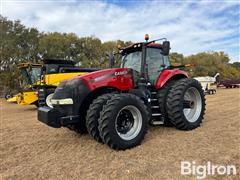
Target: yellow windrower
pixel 29 95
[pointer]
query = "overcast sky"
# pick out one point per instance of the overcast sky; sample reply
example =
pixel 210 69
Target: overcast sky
pixel 191 26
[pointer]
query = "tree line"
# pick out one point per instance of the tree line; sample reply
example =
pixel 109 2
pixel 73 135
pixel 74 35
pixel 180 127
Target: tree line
pixel 22 44
pixel 209 64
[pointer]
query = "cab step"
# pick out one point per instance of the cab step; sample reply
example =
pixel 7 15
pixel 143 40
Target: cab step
pixel 156 114
pixel 157 122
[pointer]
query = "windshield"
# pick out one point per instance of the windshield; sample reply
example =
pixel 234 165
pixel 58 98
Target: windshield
pixel 132 60
pixel 35 74
pixel 30 75
pixel 155 61
pixel 25 80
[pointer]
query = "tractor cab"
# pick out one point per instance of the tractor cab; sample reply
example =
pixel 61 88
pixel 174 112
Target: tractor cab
pixel 147 59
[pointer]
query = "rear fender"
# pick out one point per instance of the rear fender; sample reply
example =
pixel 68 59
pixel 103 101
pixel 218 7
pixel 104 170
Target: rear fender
pixel 166 75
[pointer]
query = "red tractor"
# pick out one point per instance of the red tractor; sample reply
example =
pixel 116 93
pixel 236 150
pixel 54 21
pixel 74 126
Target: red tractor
pixel 116 105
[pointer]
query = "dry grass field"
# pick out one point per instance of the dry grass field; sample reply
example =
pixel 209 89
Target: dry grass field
pixel 32 150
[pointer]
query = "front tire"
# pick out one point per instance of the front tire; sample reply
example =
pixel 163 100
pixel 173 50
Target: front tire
pixel 123 122
pixel 186 104
pixel 93 115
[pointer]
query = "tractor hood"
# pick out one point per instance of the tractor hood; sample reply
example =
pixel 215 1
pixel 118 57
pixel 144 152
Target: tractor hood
pixel 119 78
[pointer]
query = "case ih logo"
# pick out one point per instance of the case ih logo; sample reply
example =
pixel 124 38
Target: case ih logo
pixel 120 73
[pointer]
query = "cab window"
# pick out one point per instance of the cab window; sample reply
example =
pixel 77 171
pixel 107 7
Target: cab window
pixel 133 61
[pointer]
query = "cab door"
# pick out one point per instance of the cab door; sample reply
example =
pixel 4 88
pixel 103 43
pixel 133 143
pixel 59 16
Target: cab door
pixel 156 63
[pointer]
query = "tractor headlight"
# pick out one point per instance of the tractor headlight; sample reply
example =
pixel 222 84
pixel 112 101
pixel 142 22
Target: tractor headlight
pixel 66 101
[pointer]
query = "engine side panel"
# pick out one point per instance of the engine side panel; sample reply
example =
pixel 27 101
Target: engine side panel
pixel 119 78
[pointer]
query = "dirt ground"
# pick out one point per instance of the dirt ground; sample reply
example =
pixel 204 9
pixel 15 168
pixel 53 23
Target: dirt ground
pixel 32 150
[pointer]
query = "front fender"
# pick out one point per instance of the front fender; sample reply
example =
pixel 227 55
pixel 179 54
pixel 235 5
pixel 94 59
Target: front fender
pixel 169 74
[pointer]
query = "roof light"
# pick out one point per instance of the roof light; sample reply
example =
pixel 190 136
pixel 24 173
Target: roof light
pixel 146 37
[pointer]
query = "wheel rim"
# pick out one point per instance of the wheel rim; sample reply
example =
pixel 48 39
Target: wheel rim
pixel 128 122
pixel 192 105
pixel 48 100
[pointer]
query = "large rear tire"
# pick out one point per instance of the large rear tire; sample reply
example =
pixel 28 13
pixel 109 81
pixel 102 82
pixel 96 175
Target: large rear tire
pixel 186 104
pixel 162 101
pixel 123 122
pixel 93 115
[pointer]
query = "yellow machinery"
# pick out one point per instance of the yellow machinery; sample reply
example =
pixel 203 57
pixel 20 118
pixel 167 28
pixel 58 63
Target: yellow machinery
pixel 30 74
pixel 53 72
pixel 27 97
pixel 29 77
pixel 12 99
pixel 38 81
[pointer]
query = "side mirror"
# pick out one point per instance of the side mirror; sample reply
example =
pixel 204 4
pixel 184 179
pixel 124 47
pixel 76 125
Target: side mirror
pixel 165 47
